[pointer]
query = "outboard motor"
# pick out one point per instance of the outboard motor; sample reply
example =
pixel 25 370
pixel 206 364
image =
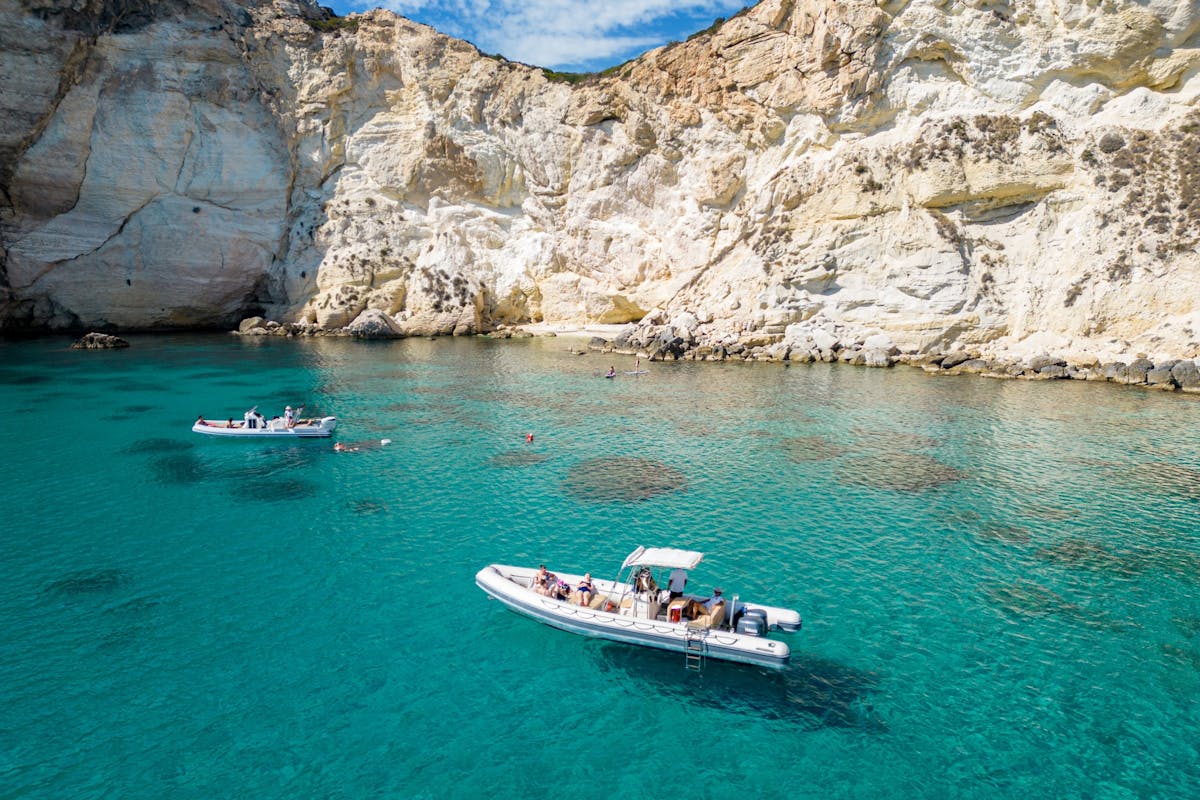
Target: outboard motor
pixel 753 622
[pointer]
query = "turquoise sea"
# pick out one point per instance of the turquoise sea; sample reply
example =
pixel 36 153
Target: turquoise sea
pixel 999 580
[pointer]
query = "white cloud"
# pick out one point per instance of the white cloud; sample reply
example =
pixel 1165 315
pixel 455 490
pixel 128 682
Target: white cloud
pixel 554 33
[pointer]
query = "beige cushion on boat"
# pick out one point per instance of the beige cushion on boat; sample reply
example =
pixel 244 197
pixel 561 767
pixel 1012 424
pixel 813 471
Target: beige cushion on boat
pixel 712 619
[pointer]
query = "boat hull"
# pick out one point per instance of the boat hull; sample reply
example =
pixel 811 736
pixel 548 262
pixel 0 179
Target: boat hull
pixel 306 429
pixel 502 583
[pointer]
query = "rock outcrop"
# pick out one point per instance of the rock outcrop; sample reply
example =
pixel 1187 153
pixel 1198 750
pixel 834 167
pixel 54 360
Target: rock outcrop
pixel 99 341
pixel 1004 177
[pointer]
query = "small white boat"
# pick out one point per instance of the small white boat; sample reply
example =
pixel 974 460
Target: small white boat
pixel 278 427
pixel 632 609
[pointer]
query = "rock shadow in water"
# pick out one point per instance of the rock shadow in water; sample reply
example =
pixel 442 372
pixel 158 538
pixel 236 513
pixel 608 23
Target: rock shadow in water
pixel 88 581
pixel 622 478
pixel 902 472
pixel 517 458
pixel 811 693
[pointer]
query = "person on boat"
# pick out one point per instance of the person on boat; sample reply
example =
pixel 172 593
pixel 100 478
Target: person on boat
pixel 559 589
pixel 200 420
pixel 290 416
pixel 248 419
pixel 696 608
pixel 612 372
pixel 676 583
pixel 586 589
pixel 541 581
pixel 644 581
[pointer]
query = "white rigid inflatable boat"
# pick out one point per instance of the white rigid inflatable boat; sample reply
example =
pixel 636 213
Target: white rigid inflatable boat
pixel 303 428
pixel 635 611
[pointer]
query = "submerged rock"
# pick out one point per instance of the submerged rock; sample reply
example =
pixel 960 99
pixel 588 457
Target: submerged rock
pixel 904 472
pixel 517 458
pixel 622 478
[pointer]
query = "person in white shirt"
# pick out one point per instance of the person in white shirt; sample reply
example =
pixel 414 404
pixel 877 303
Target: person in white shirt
pixel 676 583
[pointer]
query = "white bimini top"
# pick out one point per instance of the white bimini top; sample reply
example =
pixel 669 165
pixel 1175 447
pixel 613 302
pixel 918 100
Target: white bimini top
pixel 663 557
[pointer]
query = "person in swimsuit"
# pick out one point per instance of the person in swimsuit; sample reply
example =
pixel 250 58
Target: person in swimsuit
pixel 586 589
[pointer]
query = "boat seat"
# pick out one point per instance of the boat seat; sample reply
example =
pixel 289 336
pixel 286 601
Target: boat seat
pixel 596 601
pixel 712 619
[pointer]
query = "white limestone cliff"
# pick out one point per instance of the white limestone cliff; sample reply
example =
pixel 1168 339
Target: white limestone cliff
pixel 1004 177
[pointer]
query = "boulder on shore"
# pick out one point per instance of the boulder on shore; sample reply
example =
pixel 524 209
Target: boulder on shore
pixel 99 341
pixel 374 324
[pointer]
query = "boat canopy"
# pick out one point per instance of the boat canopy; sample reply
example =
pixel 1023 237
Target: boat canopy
pixel 663 557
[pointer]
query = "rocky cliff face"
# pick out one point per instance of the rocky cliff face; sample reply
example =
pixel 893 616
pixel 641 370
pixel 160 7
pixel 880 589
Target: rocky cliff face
pixel 994 175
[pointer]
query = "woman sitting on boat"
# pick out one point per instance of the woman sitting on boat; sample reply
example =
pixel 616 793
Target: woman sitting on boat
pixel 586 589
pixel 559 589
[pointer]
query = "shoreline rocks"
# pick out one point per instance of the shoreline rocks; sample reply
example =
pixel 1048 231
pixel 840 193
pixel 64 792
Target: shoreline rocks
pixel 666 342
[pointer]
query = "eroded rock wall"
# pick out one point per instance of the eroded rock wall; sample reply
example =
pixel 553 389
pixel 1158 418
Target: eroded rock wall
pixel 986 175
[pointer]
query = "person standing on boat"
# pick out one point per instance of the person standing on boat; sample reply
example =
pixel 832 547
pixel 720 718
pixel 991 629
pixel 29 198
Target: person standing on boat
pixel 676 583
pixel 249 420
pixel 290 417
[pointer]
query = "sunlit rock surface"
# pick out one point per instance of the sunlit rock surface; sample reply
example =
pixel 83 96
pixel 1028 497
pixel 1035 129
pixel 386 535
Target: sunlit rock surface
pixel 992 177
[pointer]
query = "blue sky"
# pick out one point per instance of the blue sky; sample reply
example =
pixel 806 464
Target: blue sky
pixel 566 35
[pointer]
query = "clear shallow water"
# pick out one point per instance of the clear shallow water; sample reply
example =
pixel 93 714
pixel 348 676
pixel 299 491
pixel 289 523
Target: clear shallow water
pixel 998 579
